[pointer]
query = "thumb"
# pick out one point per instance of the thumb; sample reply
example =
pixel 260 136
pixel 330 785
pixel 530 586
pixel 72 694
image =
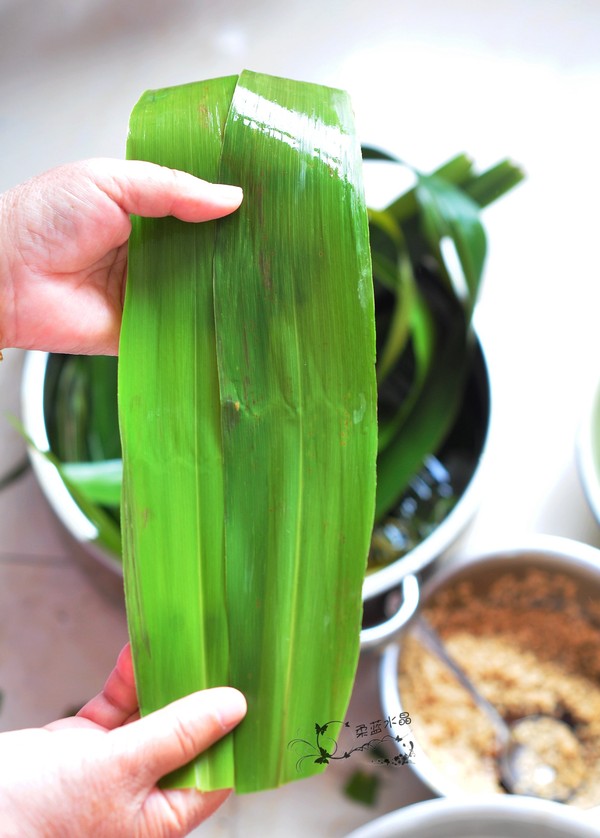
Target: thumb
pixel 169 738
pixel 153 191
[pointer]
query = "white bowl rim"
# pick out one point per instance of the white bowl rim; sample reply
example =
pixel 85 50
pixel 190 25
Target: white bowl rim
pixel 490 811
pixel 55 491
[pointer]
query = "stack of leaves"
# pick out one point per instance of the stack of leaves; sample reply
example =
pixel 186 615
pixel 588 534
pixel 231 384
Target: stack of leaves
pixel 247 406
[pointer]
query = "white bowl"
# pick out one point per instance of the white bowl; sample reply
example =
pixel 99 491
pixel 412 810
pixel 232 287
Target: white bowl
pixel 510 817
pixel 76 523
pixel 577 561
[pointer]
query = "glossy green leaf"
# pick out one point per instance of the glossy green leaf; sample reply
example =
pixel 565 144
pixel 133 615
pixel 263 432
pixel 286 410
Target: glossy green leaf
pixel 170 425
pixel 248 417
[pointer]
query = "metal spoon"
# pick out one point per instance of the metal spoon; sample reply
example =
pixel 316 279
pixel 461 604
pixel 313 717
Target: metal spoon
pixel 529 762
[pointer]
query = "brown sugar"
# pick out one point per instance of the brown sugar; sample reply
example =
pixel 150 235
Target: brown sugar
pixel 531 645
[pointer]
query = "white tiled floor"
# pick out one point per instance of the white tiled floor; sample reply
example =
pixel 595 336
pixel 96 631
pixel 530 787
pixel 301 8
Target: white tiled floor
pixel 428 80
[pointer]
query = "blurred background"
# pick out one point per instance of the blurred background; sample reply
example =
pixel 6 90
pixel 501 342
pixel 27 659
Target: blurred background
pixel 428 80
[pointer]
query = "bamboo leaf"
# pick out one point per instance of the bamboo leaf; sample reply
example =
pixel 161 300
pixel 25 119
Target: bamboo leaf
pixel 109 534
pixel 425 425
pixel 457 170
pixel 103 440
pixel 73 410
pixel 248 417
pixel 81 403
pixel 170 426
pixel 449 214
pixel 486 187
pixel 441 220
pixel 399 330
pixel 99 481
pixel 372 153
pixel 398 277
pixel 296 364
pixel 424 341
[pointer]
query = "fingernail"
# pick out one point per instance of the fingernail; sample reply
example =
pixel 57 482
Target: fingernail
pixel 229 194
pixel 232 707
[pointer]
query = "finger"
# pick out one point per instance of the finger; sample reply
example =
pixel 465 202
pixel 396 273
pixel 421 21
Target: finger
pixel 118 701
pixel 83 723
pixel 72 723
pixel 169 738
pixel 142 188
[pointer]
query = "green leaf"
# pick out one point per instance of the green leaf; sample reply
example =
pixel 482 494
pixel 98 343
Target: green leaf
pixel 72 410
pixel 301 372
pixel 424 341
pixel 457 170
pixel 398 277
pixel 363 787
pixel 248 417
pixel 400 326
pixel 424 427
pixel 439 219
pixel 99 481
pixel 81 406
pixel 109 534
pixel 372 153
pixel 103 440
pixel 450 215
pixel 486 187
pixel 170 426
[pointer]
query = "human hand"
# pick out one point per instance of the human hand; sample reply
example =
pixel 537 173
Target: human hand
pixel 96 773
pixel 63 247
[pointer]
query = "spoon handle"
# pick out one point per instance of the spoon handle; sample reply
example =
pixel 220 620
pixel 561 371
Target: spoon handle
pixel 429 637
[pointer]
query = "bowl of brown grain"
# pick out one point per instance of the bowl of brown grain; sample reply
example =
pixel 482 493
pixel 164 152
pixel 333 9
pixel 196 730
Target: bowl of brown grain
pixel 524 624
